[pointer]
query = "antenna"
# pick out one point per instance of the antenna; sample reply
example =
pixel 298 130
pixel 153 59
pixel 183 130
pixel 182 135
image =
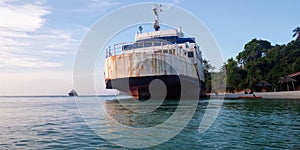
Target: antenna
pixel 141 29
pixel 156 10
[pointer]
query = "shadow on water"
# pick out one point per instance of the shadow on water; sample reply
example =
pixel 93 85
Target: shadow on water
pixel 131 112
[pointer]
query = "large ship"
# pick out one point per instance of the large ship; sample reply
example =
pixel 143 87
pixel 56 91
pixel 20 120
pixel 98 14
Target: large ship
pixel 166 55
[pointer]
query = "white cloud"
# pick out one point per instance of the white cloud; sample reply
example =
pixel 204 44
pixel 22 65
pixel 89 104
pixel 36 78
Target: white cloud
pixel 31 62
pixel 28 44
pixel 54 53
pixel 25 17
pixel 35 51
pixel 11 33
pixel 102 4
pixel 25 41
pixel 95 6
pixel 177 1
pixel 58 40
pixel 171 4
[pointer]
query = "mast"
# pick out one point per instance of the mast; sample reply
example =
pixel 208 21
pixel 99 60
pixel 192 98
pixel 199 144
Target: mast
pixel 156 10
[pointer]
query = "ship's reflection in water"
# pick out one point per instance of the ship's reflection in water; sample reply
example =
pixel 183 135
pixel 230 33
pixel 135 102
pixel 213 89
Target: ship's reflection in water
pixel 129 112
pixel 138 123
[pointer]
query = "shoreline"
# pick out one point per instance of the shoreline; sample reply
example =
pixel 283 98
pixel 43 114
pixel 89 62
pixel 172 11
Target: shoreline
pixel 264 95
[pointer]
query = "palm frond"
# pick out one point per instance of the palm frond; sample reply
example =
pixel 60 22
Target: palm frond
pixel 296 29
pixel 294 34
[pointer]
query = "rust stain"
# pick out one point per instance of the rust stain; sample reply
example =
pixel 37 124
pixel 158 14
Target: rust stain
pixel 153 64
pixel 142 67
pixel 170 65
pixel 137 68
pixel 134 92
pixel 159 64
pixel 113 58
pixel 112 64
pixel 165 65
pixel 130 65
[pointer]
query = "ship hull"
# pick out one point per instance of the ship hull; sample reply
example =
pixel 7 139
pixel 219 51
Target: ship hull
pixel 171 87
pixel 156 76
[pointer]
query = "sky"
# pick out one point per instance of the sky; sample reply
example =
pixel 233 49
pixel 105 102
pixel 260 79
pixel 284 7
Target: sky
pixel 39 38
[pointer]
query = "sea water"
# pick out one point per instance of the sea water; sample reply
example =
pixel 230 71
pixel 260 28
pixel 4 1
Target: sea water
pixel 56 123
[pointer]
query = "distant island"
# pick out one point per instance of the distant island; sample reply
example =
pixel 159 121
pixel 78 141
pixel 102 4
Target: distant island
pixel 261 66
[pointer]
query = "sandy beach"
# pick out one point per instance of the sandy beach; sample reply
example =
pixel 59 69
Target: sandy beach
pixel 264 95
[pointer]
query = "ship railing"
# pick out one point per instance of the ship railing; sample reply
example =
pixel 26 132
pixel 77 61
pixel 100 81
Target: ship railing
pixel 156 46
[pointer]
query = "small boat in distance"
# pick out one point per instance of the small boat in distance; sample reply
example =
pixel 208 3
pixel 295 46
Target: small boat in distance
pixel 73 93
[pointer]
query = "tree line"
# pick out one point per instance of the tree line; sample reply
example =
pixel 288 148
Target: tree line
pixel 259 61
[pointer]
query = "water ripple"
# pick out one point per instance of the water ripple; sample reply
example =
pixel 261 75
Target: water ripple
pixel 55 123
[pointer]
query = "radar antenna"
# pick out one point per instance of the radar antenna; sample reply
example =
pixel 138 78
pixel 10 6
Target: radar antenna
pixel 141 29
pixel 156 10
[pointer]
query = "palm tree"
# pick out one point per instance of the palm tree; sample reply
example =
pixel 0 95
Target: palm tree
pixel 297 32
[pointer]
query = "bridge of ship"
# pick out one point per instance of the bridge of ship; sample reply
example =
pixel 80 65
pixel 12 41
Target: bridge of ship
pixel 181 47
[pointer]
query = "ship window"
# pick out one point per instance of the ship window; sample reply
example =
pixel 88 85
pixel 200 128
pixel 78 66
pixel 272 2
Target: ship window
pixel 157 51
pixel 190 54
pixel 165 51
pixel 187 44
pixel 148 44
pixel 173 39
pixel 140 45
pixel 157 44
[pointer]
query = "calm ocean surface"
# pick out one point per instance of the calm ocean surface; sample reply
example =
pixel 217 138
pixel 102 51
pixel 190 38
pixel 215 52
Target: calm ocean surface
pixel 55 123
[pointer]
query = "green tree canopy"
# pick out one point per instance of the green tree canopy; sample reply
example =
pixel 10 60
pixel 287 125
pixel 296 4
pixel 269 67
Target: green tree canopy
pixel 235 74
pixel 259 61
pixel 253 50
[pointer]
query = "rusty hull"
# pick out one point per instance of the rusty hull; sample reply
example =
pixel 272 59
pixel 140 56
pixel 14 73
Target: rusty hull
pixel 147 64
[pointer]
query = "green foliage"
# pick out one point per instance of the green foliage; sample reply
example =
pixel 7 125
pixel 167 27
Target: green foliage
pixel 218 82
pixel 258 61
pixel 207 67
pixel 253 51
pixel 235 74
pixel 261 61
pixel 296 32
pixel 213 80
pixel 296 66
